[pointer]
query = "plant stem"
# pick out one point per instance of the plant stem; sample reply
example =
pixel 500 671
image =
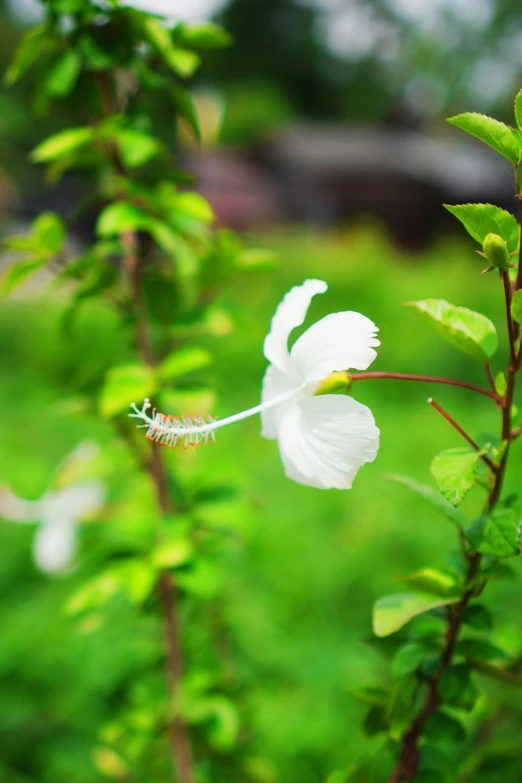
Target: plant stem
pixel 489 462
pixel 408 762
pixel 179 737
pixel 398 376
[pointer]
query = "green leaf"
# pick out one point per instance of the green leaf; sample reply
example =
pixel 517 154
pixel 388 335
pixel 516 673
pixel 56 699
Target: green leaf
pixel 136 147
pixel 518 110
pixel 202 36
pixel 457 687
pixel 183 62
pixel 503 138
pixel 455 471
pixel 500 572
pixel 18 272
pixel 479 220
pixel 393 611
pixel 431 580
pixel 64 74
pixel 256 258
pixel 496 673
pixel 516 307
pixel 480 649
pixel 125 384
pixel 498 532
pixel 411 656
pixel 500 384
pixel 433 498
pixel 49 231
pixel 61 144
pixel 443 727
pixel 479 617
pixel 375 722
pixel 173 551
pixel 184 362
pixel 120 217
pixel 194 206
pixel 186 108
pixel 37 41
pixel 472 332
pixel 367 694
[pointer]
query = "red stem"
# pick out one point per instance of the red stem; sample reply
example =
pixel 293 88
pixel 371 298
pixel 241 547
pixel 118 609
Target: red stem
pixel 398 376
pixel 489 462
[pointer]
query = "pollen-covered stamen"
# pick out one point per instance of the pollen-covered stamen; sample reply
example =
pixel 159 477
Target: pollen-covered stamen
pixel 172 430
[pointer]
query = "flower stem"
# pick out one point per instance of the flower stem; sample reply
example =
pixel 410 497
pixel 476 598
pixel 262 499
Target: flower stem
pixel 398 376
pixel 489 462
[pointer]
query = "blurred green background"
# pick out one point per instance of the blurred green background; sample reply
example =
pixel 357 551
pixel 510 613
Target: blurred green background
pixel 299 568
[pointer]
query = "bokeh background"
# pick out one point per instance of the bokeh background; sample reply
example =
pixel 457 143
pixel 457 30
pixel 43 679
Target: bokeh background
pixel 324 140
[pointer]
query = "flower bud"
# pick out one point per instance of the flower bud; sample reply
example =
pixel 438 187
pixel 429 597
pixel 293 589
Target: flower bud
pixel 495 250
pixel 336 382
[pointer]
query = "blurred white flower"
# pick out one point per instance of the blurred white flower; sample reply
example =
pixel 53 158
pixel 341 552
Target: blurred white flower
pixel 323 439
pixel 59 510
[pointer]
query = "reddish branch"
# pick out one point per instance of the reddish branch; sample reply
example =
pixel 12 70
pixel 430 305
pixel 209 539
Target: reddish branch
pixel 399 376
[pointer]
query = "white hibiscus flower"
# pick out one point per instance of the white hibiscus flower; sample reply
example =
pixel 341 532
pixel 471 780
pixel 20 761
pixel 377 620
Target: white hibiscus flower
pixel 59 510
pixel 323 439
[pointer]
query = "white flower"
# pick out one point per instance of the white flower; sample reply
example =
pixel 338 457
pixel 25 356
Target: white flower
pixel 324 439
pixel 58 511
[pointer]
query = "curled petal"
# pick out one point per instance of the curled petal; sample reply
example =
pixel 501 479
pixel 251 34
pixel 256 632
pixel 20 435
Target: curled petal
pixel 340 341
pixel 325 440
pixel 290 313
pixel 55 545
pixel 77 501
pixel 15 509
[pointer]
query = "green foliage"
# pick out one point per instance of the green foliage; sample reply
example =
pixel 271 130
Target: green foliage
pixel 125 384
pixel 455 471
pixel 471 332
pixel 516 307
pixel 479 220
pixel 457 687
pixel 518 110
pixel 61 144
pixel 445 728
pixel 392 612
pixel 433 498
pixel 504 139
pixel 432 580
pixel 497 533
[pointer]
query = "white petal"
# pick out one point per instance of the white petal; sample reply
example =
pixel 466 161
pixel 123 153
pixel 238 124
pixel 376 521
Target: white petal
pixel 325 440
pixel 290 313
pixel 15 509
pixel 55 545
pixel 76 501
pixel 275 384
pixel 340 341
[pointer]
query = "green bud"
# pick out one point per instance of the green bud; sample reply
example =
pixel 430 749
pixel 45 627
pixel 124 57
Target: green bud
pixel 495 250
pixel 336 382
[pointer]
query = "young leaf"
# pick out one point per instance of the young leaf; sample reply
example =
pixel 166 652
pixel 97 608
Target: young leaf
pixel 433 498
pixel 183 62
pixel 125 383
pixel 120 217
pixel 19 272
pixel 61 144
pixel 518 110
pixel 472 332
pixel 49 232
pixel 503 138
pixel 173 551
pixel 516 307
pixel 479 220
pixel 35 42
pixel 443 727
pixel 393 611
pixel 136 148
pixel 183 362
pixel 455 471
pixel 186 108
pixel 375 722
pixel 367 694
pixel 500 572
pixel 498 532
pixel 431 580
pixel 64 74
pixel 206 35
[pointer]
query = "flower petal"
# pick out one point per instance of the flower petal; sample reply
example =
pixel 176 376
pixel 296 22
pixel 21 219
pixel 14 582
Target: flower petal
pixel 289 314
pixel 325 440
pixel 275 384
pixel 15 509
pixel 55 545
pixel 340 341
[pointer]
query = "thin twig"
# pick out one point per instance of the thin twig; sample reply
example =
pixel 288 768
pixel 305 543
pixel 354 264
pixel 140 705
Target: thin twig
pixel 489 462
pixel 399 376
